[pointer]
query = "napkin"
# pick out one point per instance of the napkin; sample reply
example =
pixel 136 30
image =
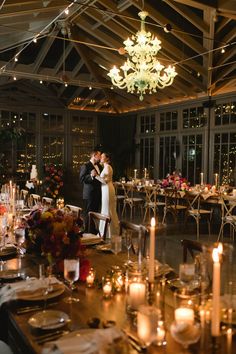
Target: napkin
pixel 30 285
pixel 90 342
pixel 90 238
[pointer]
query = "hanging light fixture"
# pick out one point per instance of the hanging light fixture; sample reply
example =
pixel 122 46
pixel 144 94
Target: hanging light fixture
pixel 142 72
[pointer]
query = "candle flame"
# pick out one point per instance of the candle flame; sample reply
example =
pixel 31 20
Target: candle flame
pixel 153 222
pixel 215 255
pixel 220 248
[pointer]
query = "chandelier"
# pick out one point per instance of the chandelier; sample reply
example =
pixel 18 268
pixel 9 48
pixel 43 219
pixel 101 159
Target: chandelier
pixel 142 72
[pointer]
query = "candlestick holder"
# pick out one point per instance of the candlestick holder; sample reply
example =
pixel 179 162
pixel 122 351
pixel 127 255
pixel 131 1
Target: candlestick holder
pixel 151 293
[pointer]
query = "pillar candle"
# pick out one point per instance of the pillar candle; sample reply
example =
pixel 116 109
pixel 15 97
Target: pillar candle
pixel 215 317
pixel 201 177
pixel 137 294
pixel 151 271
pixel 184 315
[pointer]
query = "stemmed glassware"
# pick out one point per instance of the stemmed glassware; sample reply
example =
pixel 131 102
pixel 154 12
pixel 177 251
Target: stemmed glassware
pixel 71 274
pixel 187 274
pixel 20 239
pixel 128 244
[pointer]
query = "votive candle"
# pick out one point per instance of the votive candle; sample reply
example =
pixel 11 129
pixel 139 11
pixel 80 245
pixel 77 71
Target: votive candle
pixel 137 294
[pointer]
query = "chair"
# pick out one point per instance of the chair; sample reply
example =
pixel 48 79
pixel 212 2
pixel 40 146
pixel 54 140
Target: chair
pixel 94 220
pixel 47 201
pixel 24 195
pixel 194 210
pixel 138 232
pixel 119 197
pixel 129 200
pixel 190 247
pixel 227 215
pixel 34 199
pixel 74 209
pixel 151 201
pixel 173 204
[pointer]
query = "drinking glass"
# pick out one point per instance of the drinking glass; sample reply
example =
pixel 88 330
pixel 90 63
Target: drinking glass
pixel 20 239
pixel 128 244
pixel 186 274
pixel 71 274
pixel 116 244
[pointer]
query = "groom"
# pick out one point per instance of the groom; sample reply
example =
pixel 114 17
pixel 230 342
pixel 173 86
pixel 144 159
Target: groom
pixel 91 186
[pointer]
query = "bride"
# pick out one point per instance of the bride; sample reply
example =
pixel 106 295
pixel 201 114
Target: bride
pixel 108 196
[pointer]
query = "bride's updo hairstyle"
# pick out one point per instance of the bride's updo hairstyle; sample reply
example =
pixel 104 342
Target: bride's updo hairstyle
pixel 108 156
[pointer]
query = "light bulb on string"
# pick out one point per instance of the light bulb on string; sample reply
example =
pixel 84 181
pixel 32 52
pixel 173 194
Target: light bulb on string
pixel 222 51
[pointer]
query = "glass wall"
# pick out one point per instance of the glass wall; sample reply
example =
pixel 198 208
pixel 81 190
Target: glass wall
pixel 147 155
pixel 192 154
pixel 167 156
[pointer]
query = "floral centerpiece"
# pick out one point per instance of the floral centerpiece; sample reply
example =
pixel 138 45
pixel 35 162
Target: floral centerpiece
pixel 3 209
pixel 175 180
pixel 55 234
pixel 53 181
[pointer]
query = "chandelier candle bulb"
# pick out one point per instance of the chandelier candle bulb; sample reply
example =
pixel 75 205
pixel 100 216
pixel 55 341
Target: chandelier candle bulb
pixel 184 315
pixel 151 270
pixel 215 315
pixel 201 178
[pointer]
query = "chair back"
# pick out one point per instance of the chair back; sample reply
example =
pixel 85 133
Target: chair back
pixel 74 209
pixel 24 194
pixel 138 232
pixel 94 221
pixel 47 200
pixel 34 199
pixel 191 247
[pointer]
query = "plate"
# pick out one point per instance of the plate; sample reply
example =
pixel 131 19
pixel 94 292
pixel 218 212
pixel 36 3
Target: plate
pixel 48 319
pixel 104 248
pixel 7 251
pixel 90 239
pixel 10 274
pixel 37 295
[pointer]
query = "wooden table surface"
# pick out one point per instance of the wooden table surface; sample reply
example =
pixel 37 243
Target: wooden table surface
pixel 92 304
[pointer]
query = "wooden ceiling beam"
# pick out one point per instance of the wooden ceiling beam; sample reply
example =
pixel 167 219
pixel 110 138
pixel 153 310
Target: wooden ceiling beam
pixel 177 31
pixel 185 11
pixel 221 25
pixel 208 41
pixel 201 5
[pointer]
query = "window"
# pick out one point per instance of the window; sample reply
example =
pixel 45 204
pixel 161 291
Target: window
pixel 168 120
pixel 167 157
pixel 148 124
pixel 147 155
pixel 194 117
pixel 52 122
pixel 192 157
pixel 25 153
pixel 23 120
pixel 225 113
pixel 83 139
pixel 225 157
pixel 53 150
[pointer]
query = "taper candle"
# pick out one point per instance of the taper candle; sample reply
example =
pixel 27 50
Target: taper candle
pixel 215 316
pixel 135 174
pixel 201 178
pixel 216 179
pixel 151 272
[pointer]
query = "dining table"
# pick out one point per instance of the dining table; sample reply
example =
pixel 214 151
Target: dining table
pixel 94 310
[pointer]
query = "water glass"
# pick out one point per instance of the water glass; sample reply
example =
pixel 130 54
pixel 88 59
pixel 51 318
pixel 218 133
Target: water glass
pixel 116 244
pixel 71 274
pixel 147 322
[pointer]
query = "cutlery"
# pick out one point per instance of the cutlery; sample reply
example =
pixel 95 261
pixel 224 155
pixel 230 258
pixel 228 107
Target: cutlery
pixel 135 342
pixel 51 337
pixel 28 309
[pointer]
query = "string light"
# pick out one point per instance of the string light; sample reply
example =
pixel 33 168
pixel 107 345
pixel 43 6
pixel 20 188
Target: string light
pixel 222 51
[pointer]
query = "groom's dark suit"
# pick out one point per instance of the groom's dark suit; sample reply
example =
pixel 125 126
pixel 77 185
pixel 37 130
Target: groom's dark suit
pixel 91 190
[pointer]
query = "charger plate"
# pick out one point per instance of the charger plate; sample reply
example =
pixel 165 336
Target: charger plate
pixel 39 294
pixel 48 319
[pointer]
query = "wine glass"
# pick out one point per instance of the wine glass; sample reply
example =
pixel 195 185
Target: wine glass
pixel 20 239
pixel 186 274
pixel 128 244
pixel 71 274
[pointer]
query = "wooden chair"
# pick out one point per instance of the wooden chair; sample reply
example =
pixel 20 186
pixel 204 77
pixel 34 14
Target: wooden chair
pixel 24 195
pixel 138 232
pixel 228 216
pixel 194 210
pixel 173 204
pixel 119 197
pixel 151 202
pixel 47 201
pixel 94 222
pixel 34 199
pixel 130 201
pixel 191 247
pixel 74 209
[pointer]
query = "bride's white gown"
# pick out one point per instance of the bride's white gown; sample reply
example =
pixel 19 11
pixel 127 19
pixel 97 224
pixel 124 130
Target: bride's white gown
pixel 109 201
